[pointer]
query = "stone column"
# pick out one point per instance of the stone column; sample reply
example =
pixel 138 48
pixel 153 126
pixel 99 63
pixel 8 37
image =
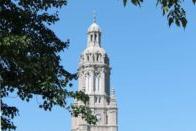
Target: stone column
pixel 102 82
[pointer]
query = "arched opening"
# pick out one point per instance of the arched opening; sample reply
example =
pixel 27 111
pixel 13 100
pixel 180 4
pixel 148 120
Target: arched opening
pixel 93 57
pixel 95 37
pixel 99 99
pixel 87 82
pixel 97 82
pixel 97 57
pixel 106 120
pixel 91 37
pixel 87 57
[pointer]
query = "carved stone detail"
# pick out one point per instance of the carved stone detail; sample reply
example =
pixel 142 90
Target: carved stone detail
pixel 94 80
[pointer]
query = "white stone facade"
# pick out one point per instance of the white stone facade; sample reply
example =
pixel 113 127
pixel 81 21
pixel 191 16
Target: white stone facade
pixel 94 80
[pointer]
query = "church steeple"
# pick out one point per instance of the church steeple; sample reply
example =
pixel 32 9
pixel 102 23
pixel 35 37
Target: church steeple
pixel 94 80
pixel 94 34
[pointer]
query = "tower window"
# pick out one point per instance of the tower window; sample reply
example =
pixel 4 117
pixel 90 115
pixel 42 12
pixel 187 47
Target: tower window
pixel 106 119
pixel 97 82
pixel 93 57
pixel 97 57
pixel 91 37
pixel 95 37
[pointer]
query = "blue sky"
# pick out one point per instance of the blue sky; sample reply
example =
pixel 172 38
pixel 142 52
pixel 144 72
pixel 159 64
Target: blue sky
pixel 153 66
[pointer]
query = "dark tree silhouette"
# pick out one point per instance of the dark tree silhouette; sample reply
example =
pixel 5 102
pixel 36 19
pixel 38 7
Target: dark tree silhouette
pixel 171 8
pixel 30 61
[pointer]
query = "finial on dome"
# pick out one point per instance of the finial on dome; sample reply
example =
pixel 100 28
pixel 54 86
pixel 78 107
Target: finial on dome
pixel 94 16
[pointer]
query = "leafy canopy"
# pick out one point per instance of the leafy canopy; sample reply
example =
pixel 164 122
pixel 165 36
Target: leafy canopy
pixel 172 8
pixel 30 61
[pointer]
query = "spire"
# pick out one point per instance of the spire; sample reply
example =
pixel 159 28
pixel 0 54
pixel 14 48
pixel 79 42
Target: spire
pixel 113 98
pixel 113 93
pixel 94 16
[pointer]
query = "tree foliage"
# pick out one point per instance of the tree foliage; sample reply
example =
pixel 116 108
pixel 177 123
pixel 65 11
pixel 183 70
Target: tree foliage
pixel 171 8
pixel 30 61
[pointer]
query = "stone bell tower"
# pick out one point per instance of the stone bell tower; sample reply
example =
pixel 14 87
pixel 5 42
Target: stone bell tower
pixel 94 80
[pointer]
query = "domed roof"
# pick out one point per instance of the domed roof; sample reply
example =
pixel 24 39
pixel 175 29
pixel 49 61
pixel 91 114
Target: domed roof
pixel 94 27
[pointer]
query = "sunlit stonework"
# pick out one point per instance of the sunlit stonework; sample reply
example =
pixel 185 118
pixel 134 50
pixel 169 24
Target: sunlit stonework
pixel 94 80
